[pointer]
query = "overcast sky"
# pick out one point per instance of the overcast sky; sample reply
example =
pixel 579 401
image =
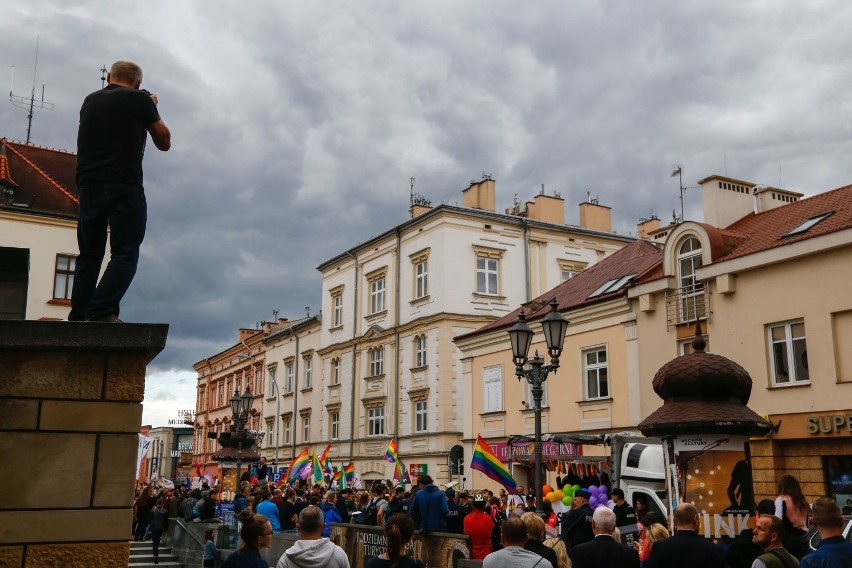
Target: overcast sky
pixel 297 125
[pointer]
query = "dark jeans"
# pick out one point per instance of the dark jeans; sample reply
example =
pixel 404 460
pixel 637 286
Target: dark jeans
pixel 125 212
pixel 156 535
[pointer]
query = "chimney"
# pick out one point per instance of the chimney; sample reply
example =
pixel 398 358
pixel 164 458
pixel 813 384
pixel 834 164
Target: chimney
pixel 418 209
pixel 546 208
pixel 726 200
pixel 480 195
pixel 647 226
pixel 595 217
pixel 767 198
pixel 247 333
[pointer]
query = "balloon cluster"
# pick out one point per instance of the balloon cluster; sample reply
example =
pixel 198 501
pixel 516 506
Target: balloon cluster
pixel 599 496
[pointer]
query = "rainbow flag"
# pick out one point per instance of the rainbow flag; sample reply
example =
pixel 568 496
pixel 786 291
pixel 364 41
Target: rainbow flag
pixel 295 467
pixel 487 462
pixel 391 454
pixel 325 460
pixel 349 472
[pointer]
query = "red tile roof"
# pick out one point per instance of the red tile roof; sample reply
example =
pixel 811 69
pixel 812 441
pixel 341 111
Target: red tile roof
pixel 766 230
pixel 635 258
pixel 44 177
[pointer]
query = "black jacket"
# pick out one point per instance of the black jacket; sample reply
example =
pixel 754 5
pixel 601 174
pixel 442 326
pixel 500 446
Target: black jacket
pixel 542 550
pixel 686 548
pixel 604 552
pixel 577 526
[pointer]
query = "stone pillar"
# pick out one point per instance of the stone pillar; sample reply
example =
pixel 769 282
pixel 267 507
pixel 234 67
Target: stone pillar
pixel 70 409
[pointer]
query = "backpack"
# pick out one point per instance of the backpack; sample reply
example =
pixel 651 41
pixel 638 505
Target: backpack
pixel 371 513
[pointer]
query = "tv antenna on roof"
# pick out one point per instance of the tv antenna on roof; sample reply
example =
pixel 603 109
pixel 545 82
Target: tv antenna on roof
pixel 31 102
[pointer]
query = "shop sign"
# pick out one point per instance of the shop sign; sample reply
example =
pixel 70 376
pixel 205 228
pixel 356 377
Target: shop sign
pixel 526 452
pixel 830 424
pixel 418 469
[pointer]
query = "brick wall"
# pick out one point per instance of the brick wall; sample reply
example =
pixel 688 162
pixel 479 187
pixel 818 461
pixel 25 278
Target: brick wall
pixel 70 409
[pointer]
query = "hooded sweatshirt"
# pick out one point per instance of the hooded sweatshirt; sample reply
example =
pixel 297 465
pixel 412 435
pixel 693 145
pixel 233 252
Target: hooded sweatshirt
pixel 312 553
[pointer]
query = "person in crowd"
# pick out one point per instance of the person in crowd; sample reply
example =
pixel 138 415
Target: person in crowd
pixel 686 547
pixel 398 532
pixel 269 510
pixel 262 473
pixel 742 551
pixel 159 523
pixel 210 553
pixel 377 503
pixel 558 546
pixel 329 512
pixel 362 501
pixel 141 513
pixel 604 551
pixel 207 512
pixel 341 504
pixel 792 508
pixel 479 525
pixel 654 532
pixel 241 500
pixel 513 536
pixel 769 536
pixel 455 513
pixel 429 507
pixel 535 538
pixel 624 514
pixel 833 551
pixel 395 503
pixel 516 501
pixel 577 524
pixel 188 503
pixel 312 550
pixel 288 514
pixel 498 515
pixel 255 534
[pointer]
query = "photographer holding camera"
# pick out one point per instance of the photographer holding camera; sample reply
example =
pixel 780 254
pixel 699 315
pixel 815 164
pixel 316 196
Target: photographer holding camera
pixel 114 125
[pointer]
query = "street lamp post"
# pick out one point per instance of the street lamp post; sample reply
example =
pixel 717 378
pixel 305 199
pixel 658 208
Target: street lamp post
pixel 554 327
pixel 277 393
pixel 240 407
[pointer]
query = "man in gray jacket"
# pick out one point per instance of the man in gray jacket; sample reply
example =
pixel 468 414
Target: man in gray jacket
pixel 312 550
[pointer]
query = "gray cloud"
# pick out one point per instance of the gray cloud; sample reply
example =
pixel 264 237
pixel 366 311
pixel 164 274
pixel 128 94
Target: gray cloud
pixel 297 127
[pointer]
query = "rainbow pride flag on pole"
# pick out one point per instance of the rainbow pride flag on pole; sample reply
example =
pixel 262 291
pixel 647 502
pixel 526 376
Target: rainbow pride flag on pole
pixel 486 461
pixel 349 472
pixel 295 467
pixel 391 454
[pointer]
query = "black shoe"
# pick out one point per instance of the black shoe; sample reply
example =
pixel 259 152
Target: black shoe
pixel 109 318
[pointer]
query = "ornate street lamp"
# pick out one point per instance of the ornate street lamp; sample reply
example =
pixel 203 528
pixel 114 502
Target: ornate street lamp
pixel 554 326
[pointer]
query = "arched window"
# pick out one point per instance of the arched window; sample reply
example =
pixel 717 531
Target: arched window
pixel 420 350
pixel 691 290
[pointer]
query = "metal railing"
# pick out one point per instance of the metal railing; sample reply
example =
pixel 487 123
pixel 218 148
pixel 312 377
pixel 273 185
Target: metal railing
pixel 688 304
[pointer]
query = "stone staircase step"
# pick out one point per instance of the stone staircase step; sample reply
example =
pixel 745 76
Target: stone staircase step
pixel 141 556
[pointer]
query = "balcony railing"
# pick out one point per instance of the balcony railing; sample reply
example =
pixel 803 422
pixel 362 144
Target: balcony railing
pixel 687 304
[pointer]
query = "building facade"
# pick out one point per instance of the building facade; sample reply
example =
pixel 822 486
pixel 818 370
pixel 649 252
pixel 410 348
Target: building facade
pixel 38 231
pixel 392 306
pixel 767 276
pixel 596 388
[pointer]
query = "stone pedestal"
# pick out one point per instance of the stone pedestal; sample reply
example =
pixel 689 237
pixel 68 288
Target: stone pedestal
pixel 70 410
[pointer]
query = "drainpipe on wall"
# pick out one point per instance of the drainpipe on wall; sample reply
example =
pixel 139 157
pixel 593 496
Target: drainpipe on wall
pixel 296 425
pixel 527 258
pixel 396 336
pixel 354 353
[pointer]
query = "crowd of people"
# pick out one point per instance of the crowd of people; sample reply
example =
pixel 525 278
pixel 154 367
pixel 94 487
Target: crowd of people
pixel 504 530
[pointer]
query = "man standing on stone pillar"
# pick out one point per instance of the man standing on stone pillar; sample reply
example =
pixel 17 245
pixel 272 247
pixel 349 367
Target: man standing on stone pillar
pixel 114 125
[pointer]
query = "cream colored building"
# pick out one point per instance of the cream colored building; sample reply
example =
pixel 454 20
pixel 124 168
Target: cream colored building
pixel 596 388
pixel 293 409
pixel 768 275
pixel 38 231
pixel 392 305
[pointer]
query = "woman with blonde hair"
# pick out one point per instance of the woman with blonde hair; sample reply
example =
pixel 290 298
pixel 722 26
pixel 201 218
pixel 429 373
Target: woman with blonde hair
pixel 653 533
pixel 255 534
pixel 558 546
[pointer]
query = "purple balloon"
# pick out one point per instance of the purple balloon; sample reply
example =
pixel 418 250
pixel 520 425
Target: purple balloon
pixel 593 501
pixel 594 490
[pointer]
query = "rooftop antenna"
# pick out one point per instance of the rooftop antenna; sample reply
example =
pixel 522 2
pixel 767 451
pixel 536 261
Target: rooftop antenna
pixel 31 103
pixel 307 311
pixel 275 315
pixel 678 171
pixel 103 76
